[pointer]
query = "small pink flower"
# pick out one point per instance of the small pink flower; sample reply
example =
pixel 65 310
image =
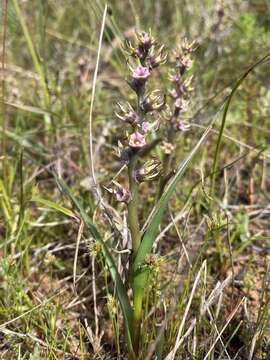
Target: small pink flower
pixel 167 147
pixel 175 78
pixel 182 126
pixel 173 93
pixel 186 62
pixel 141 73
pixel 145 38
pixel 146 127
pixel 181 104
pixel 137 140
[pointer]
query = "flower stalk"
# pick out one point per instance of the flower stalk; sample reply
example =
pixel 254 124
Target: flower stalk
pixel 180 92
pixel 133 219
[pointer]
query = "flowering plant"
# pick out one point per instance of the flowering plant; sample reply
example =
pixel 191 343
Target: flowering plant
pixel 151 123
pixel 150 126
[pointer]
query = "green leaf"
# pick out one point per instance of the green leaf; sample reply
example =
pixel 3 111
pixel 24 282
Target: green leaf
pixel 25 143
pixel 5 204
pixel 120 287
pixel 32 51
pixel 53 205
pixel 29 108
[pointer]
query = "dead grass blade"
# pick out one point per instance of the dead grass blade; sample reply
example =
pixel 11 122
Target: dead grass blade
pixel 224 327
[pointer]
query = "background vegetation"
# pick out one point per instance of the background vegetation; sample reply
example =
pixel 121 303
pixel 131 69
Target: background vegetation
pixel 211 281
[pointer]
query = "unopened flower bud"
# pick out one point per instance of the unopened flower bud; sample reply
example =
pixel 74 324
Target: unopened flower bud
pixel 176 78
pixel 150 171
pixel 122 194
pixel 185 49
pixel 179 125
pixel 145 40
pixel 185 87
pixel 128 114
pixel 157 57
pixel 153 102
pixel 173 93
pixel 183 126
pixel 221 13
pixel 166 114
pixel 188 47
pixel 128 48
pixel 146 127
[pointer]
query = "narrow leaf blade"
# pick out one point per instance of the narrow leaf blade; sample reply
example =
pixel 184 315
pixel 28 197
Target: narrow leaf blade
pixel 54 206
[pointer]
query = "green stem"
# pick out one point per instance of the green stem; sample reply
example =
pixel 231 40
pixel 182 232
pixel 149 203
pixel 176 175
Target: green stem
pixel 167 162
pixel 133 219
pixel 133 223
pixel 139 285
pixel 163 179
pixel 137 317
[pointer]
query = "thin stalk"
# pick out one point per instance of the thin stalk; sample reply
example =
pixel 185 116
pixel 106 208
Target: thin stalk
pixel 166 165
pixel 133 218
pixel 134 227
pixel 164 178
pixel 4 120
pixel 91 152
pixel 31 48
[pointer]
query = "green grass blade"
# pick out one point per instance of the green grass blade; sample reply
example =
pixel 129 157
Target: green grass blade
pixel 33 54
pixel 120 287
pixel 5 204
pixel 31 109
pixel 54 206
pixel 224 117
